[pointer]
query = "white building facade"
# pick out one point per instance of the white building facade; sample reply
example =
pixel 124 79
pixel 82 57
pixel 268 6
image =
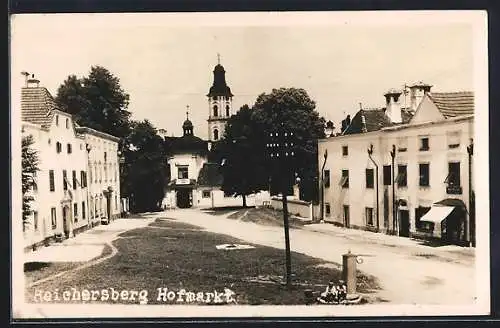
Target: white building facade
pixel 410 178
pixel 61 206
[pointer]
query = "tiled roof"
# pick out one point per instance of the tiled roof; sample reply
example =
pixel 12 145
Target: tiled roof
pixel 452 104
pixel 37 106
pixel 375 119
pixel 186 144
pixel 210 175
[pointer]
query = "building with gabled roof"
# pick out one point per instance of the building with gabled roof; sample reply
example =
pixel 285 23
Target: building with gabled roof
pixel 77 185
pixel 404 170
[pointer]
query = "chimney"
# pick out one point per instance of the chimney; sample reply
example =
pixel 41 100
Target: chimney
pixel 363 123
pixel 32 82
pixel 417 93
pixel 392 105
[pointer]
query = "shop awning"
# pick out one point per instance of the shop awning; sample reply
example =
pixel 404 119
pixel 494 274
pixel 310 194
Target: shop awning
pixel 437 214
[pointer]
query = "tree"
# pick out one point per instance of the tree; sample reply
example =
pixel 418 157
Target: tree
pixel 96 101
pixel 29 164
pixel 243 167
pixel 294 110
pixel 145 167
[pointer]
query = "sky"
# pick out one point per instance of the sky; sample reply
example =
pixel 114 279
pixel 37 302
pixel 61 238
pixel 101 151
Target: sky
pixel 165 61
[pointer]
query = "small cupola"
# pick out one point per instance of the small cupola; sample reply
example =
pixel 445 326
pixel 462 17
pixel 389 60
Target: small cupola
pixel 187 126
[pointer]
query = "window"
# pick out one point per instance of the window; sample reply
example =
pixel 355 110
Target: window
pixel 95 172
pixel 58 147
pixel 369 216
pixel 83 210
pixel 53 217
pixel 327 179
pixel 69 148
pixel 183 172
pixel 75 211
pixel 422 225
pixel 216 134
pixel 51 181
pixel 227 110
pixel 35 220
pixel 65 181
pixel 424 175
pixel 57 120
pixel 105 156
pixel 402 144
pixel 206 194
pixel 387 175
pixel 116 203
pixel 344 182
pixel 453 179
pixel 83 178
pixel 216 110
pixel 401 180
pixel 345 151
pixel 453 139
pixel 369 178
pixel 105 171
pixel 67 123
pixel 74 180
pixel 424 143
pixel 327 209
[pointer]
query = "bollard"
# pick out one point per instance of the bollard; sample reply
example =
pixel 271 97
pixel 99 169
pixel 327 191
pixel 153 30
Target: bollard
pixel 349 271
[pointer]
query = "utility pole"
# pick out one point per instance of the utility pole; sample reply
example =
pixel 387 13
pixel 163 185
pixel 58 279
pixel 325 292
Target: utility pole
pixel 281 152
pixel 471 230
pixel 370 153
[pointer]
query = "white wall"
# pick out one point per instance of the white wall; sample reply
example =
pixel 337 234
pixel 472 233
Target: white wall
pixel 358 197
pixel 295 207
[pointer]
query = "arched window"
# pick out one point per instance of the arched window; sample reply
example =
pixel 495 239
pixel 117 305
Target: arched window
pixel 216 110
pixel 216 134
pixel 227 110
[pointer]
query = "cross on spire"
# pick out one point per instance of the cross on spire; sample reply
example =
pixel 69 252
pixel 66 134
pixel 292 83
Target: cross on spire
pixel 187 112
pixel 218 58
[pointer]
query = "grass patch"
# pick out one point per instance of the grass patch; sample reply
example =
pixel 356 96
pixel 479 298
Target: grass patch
pixel 184 258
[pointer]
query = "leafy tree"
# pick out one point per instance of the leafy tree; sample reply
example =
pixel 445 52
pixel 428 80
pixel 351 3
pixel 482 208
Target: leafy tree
pixel 145 167
pixel 29 164
pixel 96 101
pixel 294 111
pixel 243 170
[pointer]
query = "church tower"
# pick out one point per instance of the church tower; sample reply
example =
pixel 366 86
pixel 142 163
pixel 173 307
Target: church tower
pixel 220 104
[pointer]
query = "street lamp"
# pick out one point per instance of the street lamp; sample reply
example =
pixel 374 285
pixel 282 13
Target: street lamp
pixel 370 152
pixel 395 224
pixel 281 150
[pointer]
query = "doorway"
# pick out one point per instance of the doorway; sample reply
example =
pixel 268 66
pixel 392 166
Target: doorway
pixel 66 221
pixel 404 223
pixel 184 198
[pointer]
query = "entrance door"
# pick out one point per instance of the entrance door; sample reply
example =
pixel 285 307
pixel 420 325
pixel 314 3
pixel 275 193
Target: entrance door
pixel 347 220
pixel 404 223
pixel 183 198
pixel 66 220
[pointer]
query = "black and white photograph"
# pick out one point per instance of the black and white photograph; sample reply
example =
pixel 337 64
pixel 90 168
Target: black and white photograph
pixel 249 164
